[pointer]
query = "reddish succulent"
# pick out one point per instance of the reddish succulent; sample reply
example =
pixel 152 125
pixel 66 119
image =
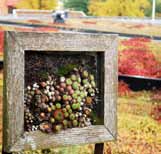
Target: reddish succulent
pixel 58 115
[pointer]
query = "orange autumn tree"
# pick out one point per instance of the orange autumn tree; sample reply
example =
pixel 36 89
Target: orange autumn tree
pixel 133 8
pixel 37 4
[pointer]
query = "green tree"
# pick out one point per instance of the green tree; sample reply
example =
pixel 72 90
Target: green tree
pixel 37 4
pixel 148 11
pixel 77 5
pixel 118 7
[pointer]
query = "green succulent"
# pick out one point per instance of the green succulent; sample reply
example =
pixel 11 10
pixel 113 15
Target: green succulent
pixel 93 84
pixel 53 107
pixel 68 107
pixel 52 120
pixel 68 81
pixel 65 122
pixel 75 106
pixel 73 77
pixel 77 92
pixel 91 77
pixel 72 116
pixel 64 110
pixel 74 95
pixel 58 128
pixel 75 85
pixel 79 99
pixel 70 111
pixel 58 105
pixel 85 74
pixel 82 94
pixel 75 123
pixel 66 114
pixel 79 79
pixel 65 97
pixel 85 81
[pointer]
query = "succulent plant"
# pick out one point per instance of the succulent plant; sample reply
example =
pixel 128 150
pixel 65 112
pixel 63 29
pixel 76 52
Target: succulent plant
pixel 91 77
pixel 72 116
pixel 63 85
pixel 62 79
pixel 66 114
pixel 88 101
pixel 77 92
pixel 70 111
pixel 68 107
pixel 74 95
pixel 79 79
pixel 85 74
pixel 71 92
pixel 53 99
pixel 45 127
pixel 73 77
pixel 58 98
pixel 49 109
pixel 75 123
pixel 85 81
pixel 68 81
pixel 53 107
pixel 75 85
pixel 58 115
pixel 52 120
pixel 65 97
pixel 75 106
pixel 43 84
pixel 42 115
pixel 65 122
pixel 60 102
pixel 82 94
pixel 58 128
pixel 58 105
pixel 79 99
pixel 64 110
pixel 93 84
pixel 69 87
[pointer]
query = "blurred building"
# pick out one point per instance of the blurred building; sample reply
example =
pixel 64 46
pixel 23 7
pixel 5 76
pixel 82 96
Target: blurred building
pixel 3 7
pixel 6 6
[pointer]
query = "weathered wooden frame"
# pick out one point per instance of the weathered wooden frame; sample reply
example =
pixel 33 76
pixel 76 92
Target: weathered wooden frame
pixel 14 137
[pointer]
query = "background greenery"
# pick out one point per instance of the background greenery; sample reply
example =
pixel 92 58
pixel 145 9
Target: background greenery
pixel 131 8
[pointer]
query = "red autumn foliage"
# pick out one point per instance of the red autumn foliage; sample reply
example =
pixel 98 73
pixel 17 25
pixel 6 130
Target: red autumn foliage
pixel 1 41
pixel 138 60
pixel 156 96
pixel 137 42
pixel 156 113
pixel 34 21
pixel 89 22
pixel 138 26
pixel 123 88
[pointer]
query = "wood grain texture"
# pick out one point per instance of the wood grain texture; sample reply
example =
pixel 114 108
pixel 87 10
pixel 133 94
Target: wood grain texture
pixel 74 136
pixel 13 110
pixel 110 88
pixel 14 137
pixel 64 41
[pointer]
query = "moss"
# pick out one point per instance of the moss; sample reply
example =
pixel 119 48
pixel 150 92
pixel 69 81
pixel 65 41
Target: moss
pixel 43 75
pixel 64 70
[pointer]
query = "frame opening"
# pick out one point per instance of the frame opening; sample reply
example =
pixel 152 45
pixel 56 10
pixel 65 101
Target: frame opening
pixel 39 66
